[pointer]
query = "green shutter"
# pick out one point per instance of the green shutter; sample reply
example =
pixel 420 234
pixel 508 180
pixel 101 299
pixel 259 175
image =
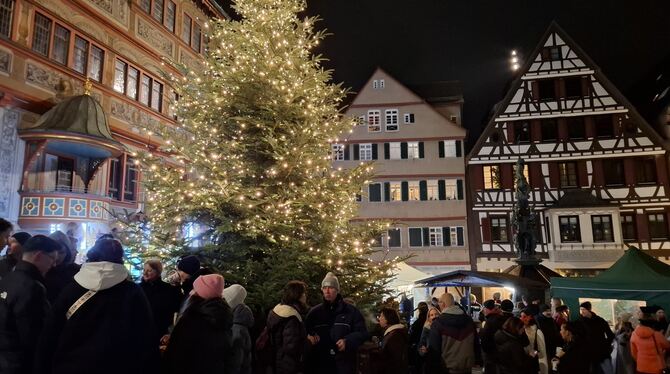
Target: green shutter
pixel 387 191
pixel 441 189
pixel 440 148
pixel 405 190
pixel 346 152
pixel 459 151
pixel 459 236
pixel 423 190
pixel 357 151
pixel 421 151
pixel 403 150
pixel 426 236
pixel 446 237
pixel 374 151
pixel 459 189
pixel 387 151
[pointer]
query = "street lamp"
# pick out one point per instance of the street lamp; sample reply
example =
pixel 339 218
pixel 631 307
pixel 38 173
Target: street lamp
pixel 514 60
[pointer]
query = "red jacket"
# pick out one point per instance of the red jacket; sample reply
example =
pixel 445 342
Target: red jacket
pixel 649 357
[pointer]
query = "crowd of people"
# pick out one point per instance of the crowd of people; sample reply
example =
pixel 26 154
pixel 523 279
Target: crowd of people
pixel 60 317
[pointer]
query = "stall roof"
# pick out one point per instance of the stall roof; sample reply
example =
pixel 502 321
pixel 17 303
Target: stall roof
pixel 469 278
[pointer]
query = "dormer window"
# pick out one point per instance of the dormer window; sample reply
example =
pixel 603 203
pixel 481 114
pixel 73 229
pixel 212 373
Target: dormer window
pixel 551 53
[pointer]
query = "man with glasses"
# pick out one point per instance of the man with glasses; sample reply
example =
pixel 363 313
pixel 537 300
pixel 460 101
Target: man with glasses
pixel 24 306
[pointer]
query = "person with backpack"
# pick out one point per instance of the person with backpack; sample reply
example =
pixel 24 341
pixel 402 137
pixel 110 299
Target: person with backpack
pixel 286 334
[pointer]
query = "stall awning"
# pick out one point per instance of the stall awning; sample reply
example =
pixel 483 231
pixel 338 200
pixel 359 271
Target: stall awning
pixel 468 278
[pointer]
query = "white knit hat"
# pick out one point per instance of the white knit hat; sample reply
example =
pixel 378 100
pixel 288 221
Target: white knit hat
pixel 331 281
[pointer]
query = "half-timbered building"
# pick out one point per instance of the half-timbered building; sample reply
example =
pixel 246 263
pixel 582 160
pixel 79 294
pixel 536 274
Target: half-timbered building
pixel 414 139
pixel 597 170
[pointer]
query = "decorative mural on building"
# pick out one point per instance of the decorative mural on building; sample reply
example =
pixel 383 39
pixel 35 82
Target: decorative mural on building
pixel 8 149
pixel 5 61
pixel 155 38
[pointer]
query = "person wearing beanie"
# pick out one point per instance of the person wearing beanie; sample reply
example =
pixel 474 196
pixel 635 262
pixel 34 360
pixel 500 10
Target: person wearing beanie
pixel 336 329
pixel 189 269
pixel 599 338
pixel 201 341
pixel 100 308
pixel 24 305
pixel 647 345
pixel 14 252
pixel 64 270
pixel 552 335
pixel 164 298
pixel 243 320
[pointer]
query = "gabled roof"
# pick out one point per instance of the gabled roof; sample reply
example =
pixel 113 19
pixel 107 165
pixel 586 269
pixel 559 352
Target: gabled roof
pixel 600 77
pixel 580 198
pixel 441 91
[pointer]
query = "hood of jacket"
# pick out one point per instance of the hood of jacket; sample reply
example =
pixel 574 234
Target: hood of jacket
pixel 643 332
pixel 502 337
pixel 286 311
pixel 234 295
pixel 98 276
pixel 397 326
pixel 454 316
pixel 242 315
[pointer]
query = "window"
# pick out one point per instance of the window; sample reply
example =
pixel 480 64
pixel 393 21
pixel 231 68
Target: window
pixel 391 120
pixel 450 189
pixel 551 53
pixel 628 229
pixel 604 126
pixel 64 174
pixel 338 152
pixel 375 84
pixel 613 170
pixel 130 187
pixel 408 118
pixel 657 226
pixel 414 193
pixel 361 120
pixel 145 89
pixel 170 15
pixel 569 228
pixel 396 191
pixel 41 34
pixel 375 192
pixel 576 128
pixel 374 121
pixel 456 236
pixel 432 189
pixel 549 130
pixel 132 82
pixel 6 14
pixel 163 11
pixel 119 76
pixel 157 11
pixel 521 132
pixel 415 237
pixel 365 151
pixel 546 89
pixel 499 230
pixel 491 177
pixel 96 63
pixel 568 174
pixel 525 172
pixel 646 170
pixel 145 5
pixel 156 95
pixel 114 185
pixel 602 228
pixel 435 236
pixel 80 59
pixel 186 29
pixel 393 238
pixel 573 87
pixel 450 148
pixel 61 45
pixel 413 150
pixel 197 37
pixel 394 151
pixel 381 83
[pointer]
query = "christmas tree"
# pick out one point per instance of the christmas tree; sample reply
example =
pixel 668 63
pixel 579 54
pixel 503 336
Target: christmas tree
pixel 250 160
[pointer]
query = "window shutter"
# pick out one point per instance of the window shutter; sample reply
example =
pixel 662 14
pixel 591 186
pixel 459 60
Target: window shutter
pixel 459 189
pixel 426 236
pixel 421 154
pixel 387 191
pixel 346 151
pixel 459 236
pixel 357 151
pixel 441 190
pixel 459 151
pixel 374 151
pixel 440 148
pixel 403 150
pixel 486 230
pixel 446 237
pixel 423 190
pixel 387 151
pixel 404 191
pixel 374 192
pixel 415 237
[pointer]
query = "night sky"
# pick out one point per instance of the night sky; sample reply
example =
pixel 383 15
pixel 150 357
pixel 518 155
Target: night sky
pixel 419 41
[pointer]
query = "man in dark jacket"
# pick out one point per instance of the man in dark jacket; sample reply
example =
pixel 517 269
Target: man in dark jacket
pixel 189 270
pixel 494 322
pixel 453 344
pixel 336 330
pixel 163 298
pixel 24 306
pixel 14 252
pixel 599 338
pixel 552 337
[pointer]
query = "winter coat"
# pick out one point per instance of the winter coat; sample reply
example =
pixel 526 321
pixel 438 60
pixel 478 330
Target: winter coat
pixel 415 331
pixel 647 348
pixel 393 355
pixel 164 300
pixel 289 338
pixel 58 278
pixel 552 336
pixel 536 341
pixel 453 344
pixel 511 354
pixel 494 323
pixel 425 334
pixel 111 332
pixel 201 341
pixel 576 358
pixel 599 336
pixel 243 320
pixel 333 321
pixel 7 265
pixel 23 311
pixel 624 359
